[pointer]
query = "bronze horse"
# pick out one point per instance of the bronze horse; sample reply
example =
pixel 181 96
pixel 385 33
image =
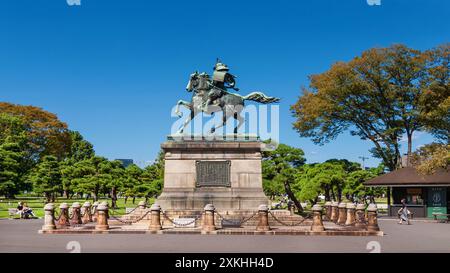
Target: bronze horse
pixel 229 103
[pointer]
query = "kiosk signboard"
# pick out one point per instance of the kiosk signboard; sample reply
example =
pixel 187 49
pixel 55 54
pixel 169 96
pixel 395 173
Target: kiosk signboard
pixel 437 201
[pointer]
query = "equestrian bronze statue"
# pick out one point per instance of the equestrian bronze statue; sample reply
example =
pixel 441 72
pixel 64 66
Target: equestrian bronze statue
pixel 211 95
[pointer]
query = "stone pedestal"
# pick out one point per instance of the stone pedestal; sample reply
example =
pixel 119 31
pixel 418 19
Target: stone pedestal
pixel 350 221
pixel 102 217
pixel 224 173
pixel 317 224
pixel 327 210
pixel 49 218
pixel 63 220
pixel 360 220
pixel 208 219
pixel 334 212
pixel 372 222
pixel 342 217
pixel 155 220
pixel 76 214
pixel 87 217
pixel 263 218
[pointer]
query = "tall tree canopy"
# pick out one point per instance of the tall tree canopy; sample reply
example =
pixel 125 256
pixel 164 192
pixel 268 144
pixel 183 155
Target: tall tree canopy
pixel 378 96
pixel 13 166
pixel 432 157
pixel 80 149
pixel 46 134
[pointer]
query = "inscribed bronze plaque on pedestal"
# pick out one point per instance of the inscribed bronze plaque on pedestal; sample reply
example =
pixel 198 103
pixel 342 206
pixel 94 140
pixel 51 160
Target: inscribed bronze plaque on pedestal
pixel 213 173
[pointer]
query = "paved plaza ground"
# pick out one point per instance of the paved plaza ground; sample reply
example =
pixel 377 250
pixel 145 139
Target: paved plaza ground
pixel 22 236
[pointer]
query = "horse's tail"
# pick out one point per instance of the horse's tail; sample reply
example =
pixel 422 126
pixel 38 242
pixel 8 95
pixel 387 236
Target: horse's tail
pixel 260 97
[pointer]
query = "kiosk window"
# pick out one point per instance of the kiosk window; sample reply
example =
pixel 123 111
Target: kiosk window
pixel 414 196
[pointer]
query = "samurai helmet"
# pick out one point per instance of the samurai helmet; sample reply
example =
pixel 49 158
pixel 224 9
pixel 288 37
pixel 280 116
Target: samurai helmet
pixel 220 66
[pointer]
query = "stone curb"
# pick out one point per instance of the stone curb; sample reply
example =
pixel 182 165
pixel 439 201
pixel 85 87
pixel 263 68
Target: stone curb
pixel 217 232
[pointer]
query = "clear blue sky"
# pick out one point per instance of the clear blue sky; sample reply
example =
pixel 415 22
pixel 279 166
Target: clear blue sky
pixel 102 65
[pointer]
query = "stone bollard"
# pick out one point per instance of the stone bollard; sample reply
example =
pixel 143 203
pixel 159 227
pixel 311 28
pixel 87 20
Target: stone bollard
pixel 360 219
pixel 328 210
pixel 263 216
pixel 334 212
pixel 372 222
pixel 317 224
pixel 104 203
pixel 63 220
pixel 208 218
pixel 94 211
pixel 87 217
pixel 102 218
pixel 76 214
pixel 49 217
pixel 342 214
pixel 350 221
pixel 155 218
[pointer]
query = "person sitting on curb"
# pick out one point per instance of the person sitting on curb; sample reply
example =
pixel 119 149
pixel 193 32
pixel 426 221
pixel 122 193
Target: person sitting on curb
pixel 20 209
pixel 27 211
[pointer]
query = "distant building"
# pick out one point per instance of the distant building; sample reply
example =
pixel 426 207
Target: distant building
pixel 126 162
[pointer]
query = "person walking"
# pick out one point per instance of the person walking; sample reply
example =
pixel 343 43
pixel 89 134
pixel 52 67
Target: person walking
pixel 403 213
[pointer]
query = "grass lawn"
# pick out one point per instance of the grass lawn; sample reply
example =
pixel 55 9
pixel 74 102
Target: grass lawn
pixel 37 204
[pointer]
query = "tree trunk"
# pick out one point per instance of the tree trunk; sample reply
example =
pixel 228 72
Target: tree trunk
pixel 10 196
pixel 327 193
pixel 114 197
pixel 333 195
pixel 95 196
pixel 339 193
pixel 134 199
pixel 291 195
pixel 47 197
pixel 125 199
pixel 408 157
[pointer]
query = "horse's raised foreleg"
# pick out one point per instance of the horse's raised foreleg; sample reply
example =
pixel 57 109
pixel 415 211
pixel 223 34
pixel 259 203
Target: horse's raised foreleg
pixel 186 104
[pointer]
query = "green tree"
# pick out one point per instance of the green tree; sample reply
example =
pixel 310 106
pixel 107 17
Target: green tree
pixel 280 166
pixel 432 157
pixel 378 96
pixel 354 189
pixel 314 179
pixel 80 149
pixel 11 169
pixel 91 176
pixel 46 134
pixel 132 186
pixel 116 173
pixel 272 188
pixel 68 174
pixel 436 103
pixel 13 166
pixel 46 178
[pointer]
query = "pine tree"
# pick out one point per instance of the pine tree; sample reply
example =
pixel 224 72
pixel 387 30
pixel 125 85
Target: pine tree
pixel 46 178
